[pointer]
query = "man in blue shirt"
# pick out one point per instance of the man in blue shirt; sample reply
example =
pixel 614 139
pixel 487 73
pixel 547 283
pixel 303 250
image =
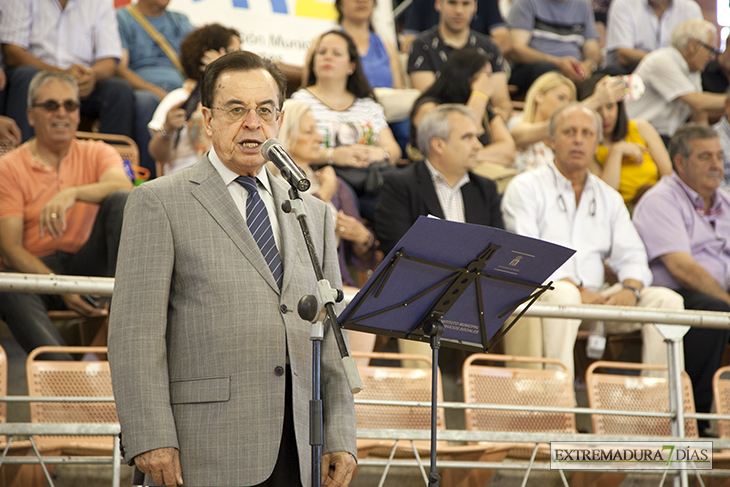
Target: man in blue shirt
pixel 552 35
pixel 145 64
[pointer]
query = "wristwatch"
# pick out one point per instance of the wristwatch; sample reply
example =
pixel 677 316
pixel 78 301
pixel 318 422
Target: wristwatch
pixel 636 291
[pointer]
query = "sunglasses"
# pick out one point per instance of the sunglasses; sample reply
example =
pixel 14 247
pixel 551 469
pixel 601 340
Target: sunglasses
pixel 53 105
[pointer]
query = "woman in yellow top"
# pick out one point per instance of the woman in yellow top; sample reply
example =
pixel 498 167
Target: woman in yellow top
pixel 632 156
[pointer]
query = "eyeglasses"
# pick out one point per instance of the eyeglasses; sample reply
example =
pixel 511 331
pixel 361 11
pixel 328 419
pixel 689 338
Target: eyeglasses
pixel 53 105
pixel 236 113
pixel 710 48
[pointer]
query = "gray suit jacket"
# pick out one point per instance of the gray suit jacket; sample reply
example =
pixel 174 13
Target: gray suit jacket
pixel 199 330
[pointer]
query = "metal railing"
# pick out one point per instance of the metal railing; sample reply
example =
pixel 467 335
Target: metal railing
pixel 14 282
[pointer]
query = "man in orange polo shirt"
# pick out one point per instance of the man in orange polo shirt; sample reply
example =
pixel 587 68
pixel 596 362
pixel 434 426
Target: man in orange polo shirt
pixel 61 206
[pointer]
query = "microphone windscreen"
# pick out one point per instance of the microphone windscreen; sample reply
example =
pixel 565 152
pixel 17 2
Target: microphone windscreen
pixel 268 145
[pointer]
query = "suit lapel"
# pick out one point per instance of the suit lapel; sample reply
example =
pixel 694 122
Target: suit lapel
pixel 290 231
pixel 213 195
pixel 476 209
pixel 427 191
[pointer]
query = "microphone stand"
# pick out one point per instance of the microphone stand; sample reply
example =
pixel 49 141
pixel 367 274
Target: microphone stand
pixel 317 309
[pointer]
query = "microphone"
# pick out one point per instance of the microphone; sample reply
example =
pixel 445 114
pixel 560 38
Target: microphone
pixel 273 151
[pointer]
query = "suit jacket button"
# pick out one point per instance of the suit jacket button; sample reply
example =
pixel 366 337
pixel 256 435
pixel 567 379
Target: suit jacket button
pixel 279 370
pixel 283 309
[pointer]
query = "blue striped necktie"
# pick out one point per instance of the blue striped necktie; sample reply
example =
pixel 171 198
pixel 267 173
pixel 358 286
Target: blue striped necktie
pixel 257 219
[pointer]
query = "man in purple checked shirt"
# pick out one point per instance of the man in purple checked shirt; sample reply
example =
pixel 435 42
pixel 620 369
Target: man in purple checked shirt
pixel 684 221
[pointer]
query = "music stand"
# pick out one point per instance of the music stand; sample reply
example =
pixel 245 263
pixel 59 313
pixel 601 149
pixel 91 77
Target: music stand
pixel 453 283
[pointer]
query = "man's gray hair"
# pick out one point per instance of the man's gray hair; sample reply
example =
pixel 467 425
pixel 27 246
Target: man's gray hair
pixel 43 77
pixel 680 142
pixel 434 125
pixel 698 29
pixel 596 118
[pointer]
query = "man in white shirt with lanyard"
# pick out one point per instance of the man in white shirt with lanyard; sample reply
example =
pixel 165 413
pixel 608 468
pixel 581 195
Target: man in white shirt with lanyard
pixel 565 204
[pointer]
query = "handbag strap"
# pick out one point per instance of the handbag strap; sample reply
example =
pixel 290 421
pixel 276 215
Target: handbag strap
pixel 157 37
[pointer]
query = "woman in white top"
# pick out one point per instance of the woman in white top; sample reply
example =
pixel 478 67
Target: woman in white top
pixel 353 124
pixel 178 134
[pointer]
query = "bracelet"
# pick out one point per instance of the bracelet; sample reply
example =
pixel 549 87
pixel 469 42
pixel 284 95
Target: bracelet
pixel 166 135
pixel 635 290
pixel 480 95
pixel 328 155
pixel 386 157
pixel 369 242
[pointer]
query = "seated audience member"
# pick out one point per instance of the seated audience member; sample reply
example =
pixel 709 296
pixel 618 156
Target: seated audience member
pixel 565 204
pixel 632 156
pixel 356 243
pixel 552 35
pixel 722 128
pixel 442 184
pixel 685 224
pixel 716 75
pixel 488 20
pixel 380 60
pixel 81 39
pixel 549 92
pixel 302 140
pixel 600 14
pixel 179 138
pixel 10 135
pixel 379 57
pixel 673 83
pixel 151 37
pixel 467 80
pixel 638 27
pixel 356 134
pixel 61 205
pixel 432 49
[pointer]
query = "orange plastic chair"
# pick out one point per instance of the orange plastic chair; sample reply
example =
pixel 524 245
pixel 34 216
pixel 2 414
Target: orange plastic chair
pixel 487 383
pixel 635 393
pixel 721 389
pixel 76 379
pixel 407 384
pixel 632 393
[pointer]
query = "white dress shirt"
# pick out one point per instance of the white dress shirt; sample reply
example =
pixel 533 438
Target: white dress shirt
pixel 239 193
pixel 450 197
pixel 667 77
pixel 541 204
pixel 633 24
pixel 83 32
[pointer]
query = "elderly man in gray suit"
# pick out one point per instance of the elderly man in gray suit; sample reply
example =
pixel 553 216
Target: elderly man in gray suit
pixel 210 362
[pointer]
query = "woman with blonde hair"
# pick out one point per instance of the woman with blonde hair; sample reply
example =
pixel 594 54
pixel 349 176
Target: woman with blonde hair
pixel 548 93
pixel 300 137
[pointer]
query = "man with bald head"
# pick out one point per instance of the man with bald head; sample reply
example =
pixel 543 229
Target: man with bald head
pixel 565 204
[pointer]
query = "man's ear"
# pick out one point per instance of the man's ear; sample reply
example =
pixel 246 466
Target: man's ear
pixel 437 145
pixel 679 163
pixel 207 120
pixel 550 143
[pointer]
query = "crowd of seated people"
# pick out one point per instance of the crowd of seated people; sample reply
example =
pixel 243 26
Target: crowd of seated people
pixel 461 56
